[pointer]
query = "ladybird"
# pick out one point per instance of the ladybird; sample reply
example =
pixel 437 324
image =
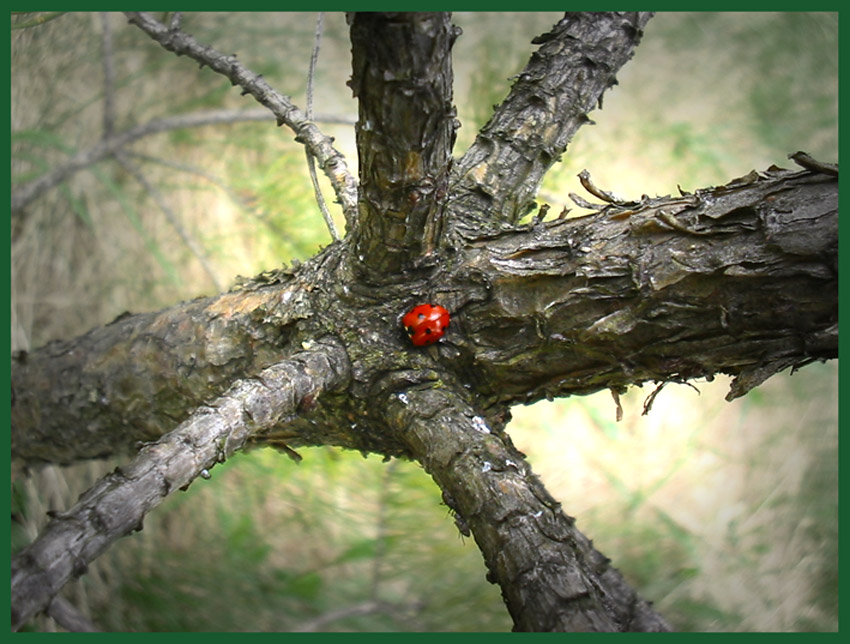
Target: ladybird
pixel 426 323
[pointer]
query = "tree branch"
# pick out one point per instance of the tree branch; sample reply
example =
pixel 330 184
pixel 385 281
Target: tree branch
pixel 330 161
pixel 108 76
pixel 740 279
pixel 311 161
pixel 28 192
pixel 135 378
pixel 69 617
pixel 495 181
pixel 402 78
pixel 552 579
pixel 118 503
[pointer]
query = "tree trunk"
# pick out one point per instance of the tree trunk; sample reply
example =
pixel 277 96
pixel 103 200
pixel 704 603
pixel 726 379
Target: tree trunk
pixel 739 279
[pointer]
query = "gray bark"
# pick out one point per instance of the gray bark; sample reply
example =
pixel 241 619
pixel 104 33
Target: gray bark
pixel 117 504
pixel 739 279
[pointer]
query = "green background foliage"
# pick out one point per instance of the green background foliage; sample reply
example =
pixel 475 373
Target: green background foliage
pixel 723 514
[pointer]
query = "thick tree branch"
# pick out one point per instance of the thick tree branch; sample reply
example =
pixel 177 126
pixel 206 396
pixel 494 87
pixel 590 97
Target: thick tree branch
pixel 117 505
pixel 552 579
pixel 740 279
pixel 330 160
pixel 498 177
pixel 135 378
pixel 402 76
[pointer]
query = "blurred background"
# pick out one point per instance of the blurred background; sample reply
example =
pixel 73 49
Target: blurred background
pixel 725 515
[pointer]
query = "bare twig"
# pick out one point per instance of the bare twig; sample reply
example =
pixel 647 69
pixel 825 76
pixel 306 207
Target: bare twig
pixel 365 608
pixel 592 188
pixel 108 77
pixel 809 163
pixel 172 218
pixel 176 21
pixel 118 503
pixel 30 191
pixel 381 530
pixel 242 202
pixel 330 160
pixel 311 165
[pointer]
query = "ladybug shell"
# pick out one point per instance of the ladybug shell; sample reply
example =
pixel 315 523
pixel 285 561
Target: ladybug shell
pixel 426 323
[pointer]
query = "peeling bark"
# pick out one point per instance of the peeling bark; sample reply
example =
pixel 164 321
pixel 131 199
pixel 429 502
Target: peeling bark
pixel 135 378
pixel 117 504
pixel 402 76
pixel 552 579
pixel 497 178
pixel 738 279
pixel 741 279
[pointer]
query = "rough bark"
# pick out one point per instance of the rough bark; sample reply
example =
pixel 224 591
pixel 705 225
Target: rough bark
pixel 402 76
pixel 135 378
pixel 118 503
pixel 497 178
pixel 740 279
pixel 633 318
pixel 552 579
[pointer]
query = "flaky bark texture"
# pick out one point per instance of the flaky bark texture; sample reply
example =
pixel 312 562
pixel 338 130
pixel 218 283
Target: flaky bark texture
pixel 739 279
pixel 405 133
pixel 577 61
pixel 556 581
pixel 117 505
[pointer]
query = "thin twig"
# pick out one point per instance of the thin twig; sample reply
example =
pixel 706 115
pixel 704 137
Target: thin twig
pixel 176 21
pixel 311 164
pixel 381 530
pixel 395 611
pixel 809 163
pixel 330 160
pixel 242 202
pixel 32 190
pixel 108 77
pixel 357 610
pixel 172 218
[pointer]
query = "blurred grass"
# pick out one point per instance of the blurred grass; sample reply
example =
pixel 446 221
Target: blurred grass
pixel 725 515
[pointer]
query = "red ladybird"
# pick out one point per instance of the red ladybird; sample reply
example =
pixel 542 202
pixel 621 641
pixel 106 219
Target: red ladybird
pixel 426 323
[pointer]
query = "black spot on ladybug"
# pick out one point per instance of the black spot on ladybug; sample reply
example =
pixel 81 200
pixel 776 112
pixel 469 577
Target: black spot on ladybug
pixel 425 323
